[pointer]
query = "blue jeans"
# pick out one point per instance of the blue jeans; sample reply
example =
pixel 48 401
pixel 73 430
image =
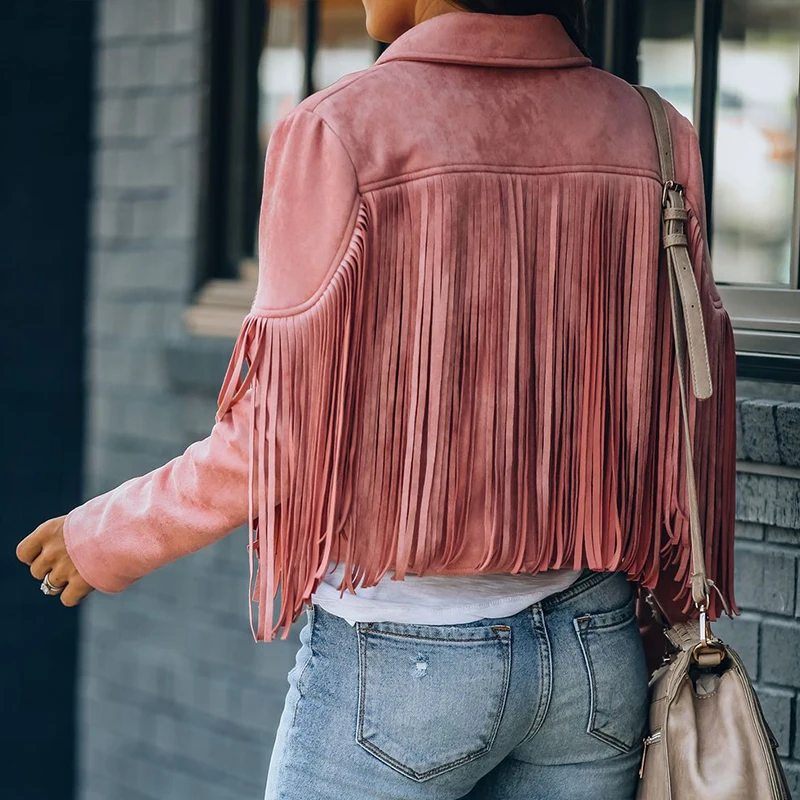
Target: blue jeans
pixel 548 704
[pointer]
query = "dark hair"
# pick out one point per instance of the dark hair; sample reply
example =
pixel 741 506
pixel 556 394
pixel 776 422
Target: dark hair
pixel 571 13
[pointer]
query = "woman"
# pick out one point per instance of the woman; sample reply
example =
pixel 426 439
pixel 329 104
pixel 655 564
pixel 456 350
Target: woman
pixel 461 399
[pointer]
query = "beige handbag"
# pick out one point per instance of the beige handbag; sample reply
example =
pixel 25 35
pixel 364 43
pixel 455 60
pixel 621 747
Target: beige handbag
pixel 708 738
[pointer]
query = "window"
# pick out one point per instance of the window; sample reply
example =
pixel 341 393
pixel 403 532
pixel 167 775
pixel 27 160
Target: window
pixel 756 143
pixel 733 68
pixel 307 47
pixel 264 57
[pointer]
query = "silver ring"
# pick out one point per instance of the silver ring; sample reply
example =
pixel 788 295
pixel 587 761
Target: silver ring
pixel 48 587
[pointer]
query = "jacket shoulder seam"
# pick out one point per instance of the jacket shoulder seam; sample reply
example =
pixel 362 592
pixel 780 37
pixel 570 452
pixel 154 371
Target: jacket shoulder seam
pixel 337 263
pixel 566 169
pixel 339 140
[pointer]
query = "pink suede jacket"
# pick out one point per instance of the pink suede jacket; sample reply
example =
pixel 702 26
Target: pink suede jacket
pixel 459 356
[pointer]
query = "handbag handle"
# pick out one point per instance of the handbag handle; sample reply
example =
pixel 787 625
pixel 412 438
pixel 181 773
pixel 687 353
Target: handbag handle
pixel 687 326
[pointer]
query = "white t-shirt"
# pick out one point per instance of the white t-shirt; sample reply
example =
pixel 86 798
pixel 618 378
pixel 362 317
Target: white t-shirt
pixel 439 599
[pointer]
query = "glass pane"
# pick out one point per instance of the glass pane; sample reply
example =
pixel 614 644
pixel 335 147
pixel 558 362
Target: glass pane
pixel 344 44
pixel 756 142
pixel 666 51
pixel 280 71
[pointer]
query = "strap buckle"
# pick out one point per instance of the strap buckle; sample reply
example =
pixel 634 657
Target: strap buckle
pixel 673 186
pixel 705 629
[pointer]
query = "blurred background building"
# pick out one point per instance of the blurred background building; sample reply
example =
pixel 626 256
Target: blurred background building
pixel 133 140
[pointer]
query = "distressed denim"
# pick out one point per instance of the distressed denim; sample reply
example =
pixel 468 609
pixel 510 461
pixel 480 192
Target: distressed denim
pixel 547 704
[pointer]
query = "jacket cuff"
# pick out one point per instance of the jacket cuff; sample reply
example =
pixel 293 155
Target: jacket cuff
pixel 89 567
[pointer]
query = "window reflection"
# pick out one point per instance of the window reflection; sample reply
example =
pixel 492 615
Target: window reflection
pixel 280 71
pixel 756 141
pixel 666 52
pixel 344 44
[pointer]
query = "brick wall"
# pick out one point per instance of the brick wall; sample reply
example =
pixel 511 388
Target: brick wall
pixel 175 699
pixel 767 634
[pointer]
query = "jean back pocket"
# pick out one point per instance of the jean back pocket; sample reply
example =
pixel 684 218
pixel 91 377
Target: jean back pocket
pixel 614 659
pixel 431 697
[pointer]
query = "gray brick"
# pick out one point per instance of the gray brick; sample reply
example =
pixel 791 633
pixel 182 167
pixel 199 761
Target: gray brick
pixel 112 220
pixel 149 323
pixel 198 416
pixel 756 497
pixel 109 66
pixel 125 65
pixel 151 17
pixel 144 169
pixel 150 115
pixel 740 451
pixel 780 653
pixel 189 785
pixel 749 530
pixel 115 117
pixel 787 509
pixel 769 499
pixel 104 788
pixel 139 273
pixel 110 366
pixel 787 418
pixel 150 777
pixel 213 696
pixel 117 18
pixel 148 217
pixel 241 757
pixel 184 114
pixel 778 706
pixel 107 168
pixel 187 15
pixel 97 460
pixel 741 633
pixel 186 167
pixel 765 578
pixel 168 733
pixel 103 412
pixel 176 63
pixel 178 220
pixel 790 536
pixel 140 415
pixel 259 709
pixel 108 320
pixel 792 769
pixel 134 167
pixel 759 432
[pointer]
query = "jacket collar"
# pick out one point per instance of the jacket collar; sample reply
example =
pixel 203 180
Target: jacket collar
pixel 500 40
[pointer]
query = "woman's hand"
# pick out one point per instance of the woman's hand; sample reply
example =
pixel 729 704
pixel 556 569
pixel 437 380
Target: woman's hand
pixel 45 551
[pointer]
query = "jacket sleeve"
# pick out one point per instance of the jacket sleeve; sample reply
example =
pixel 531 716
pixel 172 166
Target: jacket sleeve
pixel 201 495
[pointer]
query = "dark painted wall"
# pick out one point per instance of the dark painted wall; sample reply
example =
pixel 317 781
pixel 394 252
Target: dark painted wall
pixel 45 99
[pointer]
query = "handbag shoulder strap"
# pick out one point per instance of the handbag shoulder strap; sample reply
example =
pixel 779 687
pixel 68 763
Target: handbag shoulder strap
pixel 687 325
pixel 675 216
